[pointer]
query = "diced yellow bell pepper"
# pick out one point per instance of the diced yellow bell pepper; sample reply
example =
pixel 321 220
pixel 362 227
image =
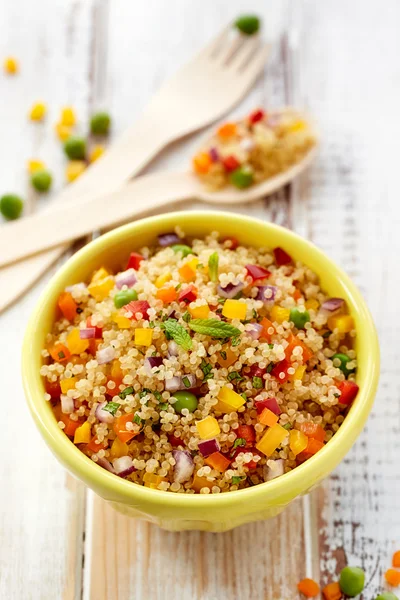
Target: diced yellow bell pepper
pixel 74 169
pixel 68 117
pixel 143 336
pixel 343 323
pixel 63 132
pixel 100 289
pixel 226 357
pixel 280 314
pixel 201 482
pixel 298 441
pixel 118 448
pixel 230 398
pixel 162 279
pixel 152 480
pixel 234 309
pixel 35 165
pixel 299 372
pixel 272 439
pixel 82 434
pixel 188 270
pixel 312 304
pixel 200 312
pixel 96 152
pixel 10 65
pixel 67 384
pixel 75 344
pixel 100 274
pixel 121 321
pixel 38 111
pixel 208 428
pixel 298 125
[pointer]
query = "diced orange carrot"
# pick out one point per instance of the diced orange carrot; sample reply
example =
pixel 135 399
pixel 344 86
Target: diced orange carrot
pixel 266 326
pixel 201 482
pixel 312 430
pixel 227 130
pixel 393 577
pixel 67 305
pixel 293 342
pixel 308 587
pixel 59 352
pixel 218 461
pixel 267 417
pixel 120 429
pixel 297 294
pixel 313 447
pixel 332 591
pixel 396 559
pixel 94 446
pixel 167 294
pixel 70 425
pixel 202 163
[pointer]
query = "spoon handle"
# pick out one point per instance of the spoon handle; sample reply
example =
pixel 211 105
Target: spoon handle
pixel 76 219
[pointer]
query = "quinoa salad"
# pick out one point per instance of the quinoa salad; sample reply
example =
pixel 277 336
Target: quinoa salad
pixel 256 148
pixel 203 366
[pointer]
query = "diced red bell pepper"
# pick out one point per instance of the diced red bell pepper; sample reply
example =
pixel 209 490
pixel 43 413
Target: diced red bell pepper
pixel 312 430
pixel 138 306
pixel 188 294
pixel 231 163
pixel 256 272
pixel 312 448
pixel 134 261
pixel 279 368
pixel 348 391
pixel 70 425
pixel 256 371
pixel 247 432
pixel 94 446
pixel 270 403
pixel 234 242
pixel 175 441
pixel 250 465
pixel 282 257
pixel 98 334
pixel 256 115
pixel 53 389
pixel 293 342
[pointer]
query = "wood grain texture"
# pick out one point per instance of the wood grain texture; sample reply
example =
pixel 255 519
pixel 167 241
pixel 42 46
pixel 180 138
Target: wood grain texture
pixel 337 59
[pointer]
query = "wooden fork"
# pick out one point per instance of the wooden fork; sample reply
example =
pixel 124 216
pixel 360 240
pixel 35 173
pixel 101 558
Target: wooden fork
pixel 198 94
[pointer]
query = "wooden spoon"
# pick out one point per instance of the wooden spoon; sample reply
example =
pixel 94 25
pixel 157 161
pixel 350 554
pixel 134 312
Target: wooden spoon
pixel 65 223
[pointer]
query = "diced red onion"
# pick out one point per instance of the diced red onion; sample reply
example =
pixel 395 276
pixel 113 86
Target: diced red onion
pixel 88 333
pixel 105 355
pixel 103 415
pixel 184 465
pixel 276 470
pixel 125 278
pixel 213 154
pixel 67 404
pixel 262 293
pixel 173 348
pixel 122 464
pixel 103 462
pixel 270 403
pixel 167 239
pixel 231 290
pixel 150 362
pixel 208 447
pixel 173 384
pixel 332 304
pixel 254 330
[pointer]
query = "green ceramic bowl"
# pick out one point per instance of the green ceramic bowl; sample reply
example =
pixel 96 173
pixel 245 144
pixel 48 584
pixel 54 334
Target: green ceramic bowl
pixel 206 512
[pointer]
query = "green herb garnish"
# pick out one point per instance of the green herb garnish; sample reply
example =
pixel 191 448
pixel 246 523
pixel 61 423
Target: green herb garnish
pixel 178 287
pixel 235 341
pixel 223 354
pixel 326 334
pixel 255 314
pixel 287 426
pixel 221 300
pixel 257 383
pixel 270 367
pixel 214 328
pixel 112 407
pixel 199 266
pixel 144 392
pixel 207 370
pixel 152 324
pixel 163 405
pixel 157 395
pixel 235 376
pixel 270 346
pixel 126 392
pixel 187 316
pixel 239 442
pixel 213 267
pixel 186 381
pixel 179 333
pixel 137 420
pixel 244 396
pixel 236 479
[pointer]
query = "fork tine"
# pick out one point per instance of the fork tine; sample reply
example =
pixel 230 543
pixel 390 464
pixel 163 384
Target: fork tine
pixel 256 64
pixel 212 48
pixel 244 53
pixel 229 50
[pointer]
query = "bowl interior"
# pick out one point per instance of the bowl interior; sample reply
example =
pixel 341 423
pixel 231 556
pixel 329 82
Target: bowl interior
pixel 112 250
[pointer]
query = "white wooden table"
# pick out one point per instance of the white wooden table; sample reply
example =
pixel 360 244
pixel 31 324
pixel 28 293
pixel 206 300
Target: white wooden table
pixel 340 60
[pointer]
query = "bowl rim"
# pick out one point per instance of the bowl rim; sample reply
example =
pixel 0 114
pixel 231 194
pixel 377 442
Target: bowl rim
pixel 83 467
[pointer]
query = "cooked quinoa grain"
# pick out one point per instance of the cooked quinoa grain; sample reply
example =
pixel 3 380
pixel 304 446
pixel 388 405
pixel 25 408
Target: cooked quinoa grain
pixel 218 367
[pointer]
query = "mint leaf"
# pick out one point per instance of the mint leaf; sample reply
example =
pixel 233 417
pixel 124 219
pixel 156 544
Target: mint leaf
pixel 187 316
pixel 112 407
pixel 236 341
pixel 213 267
pixel 214 328
pixel 178 333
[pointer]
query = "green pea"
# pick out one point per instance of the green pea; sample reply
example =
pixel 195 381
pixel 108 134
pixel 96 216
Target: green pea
pixel 299 318
pixel 41 180
pixel 344 359
pixel 11 206
pixel 186 250
pixel 351 581
pixel 124 297
pixel 387 596
pixel 75 147
pixel 184 400
pixel 242 177
pixel 100 123
pixel 248 24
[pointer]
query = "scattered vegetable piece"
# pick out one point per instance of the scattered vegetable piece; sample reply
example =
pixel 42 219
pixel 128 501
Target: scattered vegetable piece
pixel 308 587
pixel 11 206
pixel 10 65
pixel 38 112
pixel 74 169
pixel 393 577
pixel 96 152
pixel 100 123
pixel 248 24
pixel 352 581
pixel 75 147
pixel 41 180
pixel 332 591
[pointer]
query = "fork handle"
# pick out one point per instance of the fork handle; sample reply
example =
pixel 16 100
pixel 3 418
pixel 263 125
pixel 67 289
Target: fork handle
pixel 67 222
